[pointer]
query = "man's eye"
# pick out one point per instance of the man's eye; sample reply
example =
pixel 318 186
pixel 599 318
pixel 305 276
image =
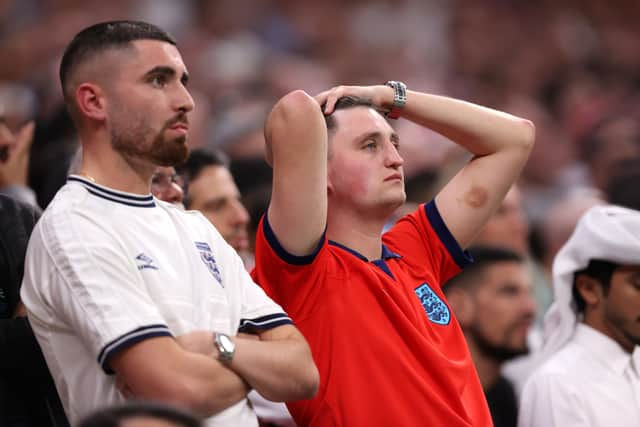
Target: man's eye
pixel 158 81
pixel 371 146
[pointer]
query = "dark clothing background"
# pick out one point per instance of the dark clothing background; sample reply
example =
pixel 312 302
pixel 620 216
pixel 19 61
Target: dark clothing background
pixel 28 397
pixel 503 404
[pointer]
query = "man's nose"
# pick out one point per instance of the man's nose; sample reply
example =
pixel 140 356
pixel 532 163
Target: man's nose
pixel 240 213
pixel 175 193
pixel 392 156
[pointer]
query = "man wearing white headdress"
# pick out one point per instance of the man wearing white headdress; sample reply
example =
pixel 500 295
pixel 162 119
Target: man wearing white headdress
pixel 592 330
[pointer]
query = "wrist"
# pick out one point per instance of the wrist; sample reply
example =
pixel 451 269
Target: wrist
pixel 224 347
pixel 399 98
pixel 385 102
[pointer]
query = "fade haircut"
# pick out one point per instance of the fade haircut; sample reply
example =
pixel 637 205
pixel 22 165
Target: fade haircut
pixel 345 103
pixel 484 256
pixel 98 38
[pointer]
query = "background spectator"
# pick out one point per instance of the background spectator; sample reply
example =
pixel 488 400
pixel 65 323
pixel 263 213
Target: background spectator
pixel 28 397
pixel 493 302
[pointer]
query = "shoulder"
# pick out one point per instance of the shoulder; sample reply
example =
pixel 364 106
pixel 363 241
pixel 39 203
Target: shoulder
pixel 563 370
pixel 67 210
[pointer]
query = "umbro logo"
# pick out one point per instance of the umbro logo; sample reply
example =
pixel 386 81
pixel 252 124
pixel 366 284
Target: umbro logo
pixel 145 262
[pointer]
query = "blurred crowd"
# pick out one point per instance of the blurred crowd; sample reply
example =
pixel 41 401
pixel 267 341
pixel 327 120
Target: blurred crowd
pixel 568 66
pixel 571 67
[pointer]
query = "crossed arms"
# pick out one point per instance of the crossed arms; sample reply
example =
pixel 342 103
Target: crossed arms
pixel 185 371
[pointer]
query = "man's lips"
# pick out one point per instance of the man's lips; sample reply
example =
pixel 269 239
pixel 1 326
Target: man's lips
pixel 180 128
pixel 394 177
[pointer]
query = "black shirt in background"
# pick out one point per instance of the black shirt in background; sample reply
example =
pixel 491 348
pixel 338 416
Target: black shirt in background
pixel 503 404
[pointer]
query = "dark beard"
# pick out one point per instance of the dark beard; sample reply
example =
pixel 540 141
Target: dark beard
pixel 499 353
pixel 161 152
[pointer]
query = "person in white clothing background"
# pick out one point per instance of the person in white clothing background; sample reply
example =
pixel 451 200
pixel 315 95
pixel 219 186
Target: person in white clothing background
pixel 592 330
pixel 131 297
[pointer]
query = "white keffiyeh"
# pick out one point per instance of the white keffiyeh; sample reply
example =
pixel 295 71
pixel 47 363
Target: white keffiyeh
pixel 609 233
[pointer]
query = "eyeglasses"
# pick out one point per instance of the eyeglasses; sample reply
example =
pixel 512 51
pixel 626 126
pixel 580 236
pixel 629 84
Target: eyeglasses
pixel 162 182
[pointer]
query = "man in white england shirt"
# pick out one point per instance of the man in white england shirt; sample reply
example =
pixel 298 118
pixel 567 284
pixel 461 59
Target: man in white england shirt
pixel 592 329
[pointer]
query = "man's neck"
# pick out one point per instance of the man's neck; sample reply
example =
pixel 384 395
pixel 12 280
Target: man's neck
pixel 596 321
pixel 361 234
pixel 488 368
pixel 104 166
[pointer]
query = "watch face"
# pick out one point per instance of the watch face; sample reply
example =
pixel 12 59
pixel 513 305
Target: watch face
pixel 226 342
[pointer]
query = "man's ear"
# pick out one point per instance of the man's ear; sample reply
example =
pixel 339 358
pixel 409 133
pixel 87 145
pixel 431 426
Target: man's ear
pixel 462 305
pixel 90 101
pixel 590 290
pixel 329 186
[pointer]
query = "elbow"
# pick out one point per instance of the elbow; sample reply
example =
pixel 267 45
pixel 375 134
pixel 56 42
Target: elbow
pixel 301 383
pixel 528 134
pixel 311 384
pixel 294 107
pixel 307 382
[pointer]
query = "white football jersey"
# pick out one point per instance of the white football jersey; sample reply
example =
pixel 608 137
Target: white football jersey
pixel 106 269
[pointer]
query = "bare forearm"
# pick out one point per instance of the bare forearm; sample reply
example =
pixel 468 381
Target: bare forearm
pixel 215 386
pixel 279 370
pixel 480 130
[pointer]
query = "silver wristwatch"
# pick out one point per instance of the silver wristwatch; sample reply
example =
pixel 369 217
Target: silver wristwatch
pixel 226 347
pixel 399 98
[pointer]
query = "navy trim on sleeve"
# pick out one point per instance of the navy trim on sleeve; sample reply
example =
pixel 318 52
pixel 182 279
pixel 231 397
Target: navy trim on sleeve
pixel 128 339
pixel 462 258
pixel 264 322
pixel 282 253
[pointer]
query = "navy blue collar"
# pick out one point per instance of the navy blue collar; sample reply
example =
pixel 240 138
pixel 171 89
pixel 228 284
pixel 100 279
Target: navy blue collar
pixel 114 195
pixel 385 254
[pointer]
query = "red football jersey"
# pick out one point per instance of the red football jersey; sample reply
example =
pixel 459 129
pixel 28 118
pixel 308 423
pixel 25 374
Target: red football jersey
pixel 388 348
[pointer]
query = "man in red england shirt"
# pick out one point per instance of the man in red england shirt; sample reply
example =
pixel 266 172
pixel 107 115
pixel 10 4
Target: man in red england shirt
pixel 371 306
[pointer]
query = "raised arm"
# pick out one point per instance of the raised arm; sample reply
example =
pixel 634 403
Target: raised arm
pixel 500 143
pixel 296 138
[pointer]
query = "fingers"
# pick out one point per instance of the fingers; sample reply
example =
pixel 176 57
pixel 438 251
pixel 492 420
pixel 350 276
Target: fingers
pixel 330 97
pixel 6 136
pixel 24 137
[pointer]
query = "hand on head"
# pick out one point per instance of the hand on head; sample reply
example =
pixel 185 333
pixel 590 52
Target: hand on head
pixel 373 94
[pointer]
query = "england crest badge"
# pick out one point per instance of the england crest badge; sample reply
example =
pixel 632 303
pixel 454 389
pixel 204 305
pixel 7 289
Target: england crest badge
pixel 206 255
pixel 436 309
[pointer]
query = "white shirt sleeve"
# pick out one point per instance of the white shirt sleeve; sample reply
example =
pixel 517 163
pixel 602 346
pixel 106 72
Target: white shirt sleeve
pixel 78 278
pixel 256 310
pixel 549 400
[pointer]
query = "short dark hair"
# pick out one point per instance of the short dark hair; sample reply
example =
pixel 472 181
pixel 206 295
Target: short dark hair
pixel 344 103
pixel 598 269
pixel 199 159
pixel 106 35
pixel 113 416
pixel 484 256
